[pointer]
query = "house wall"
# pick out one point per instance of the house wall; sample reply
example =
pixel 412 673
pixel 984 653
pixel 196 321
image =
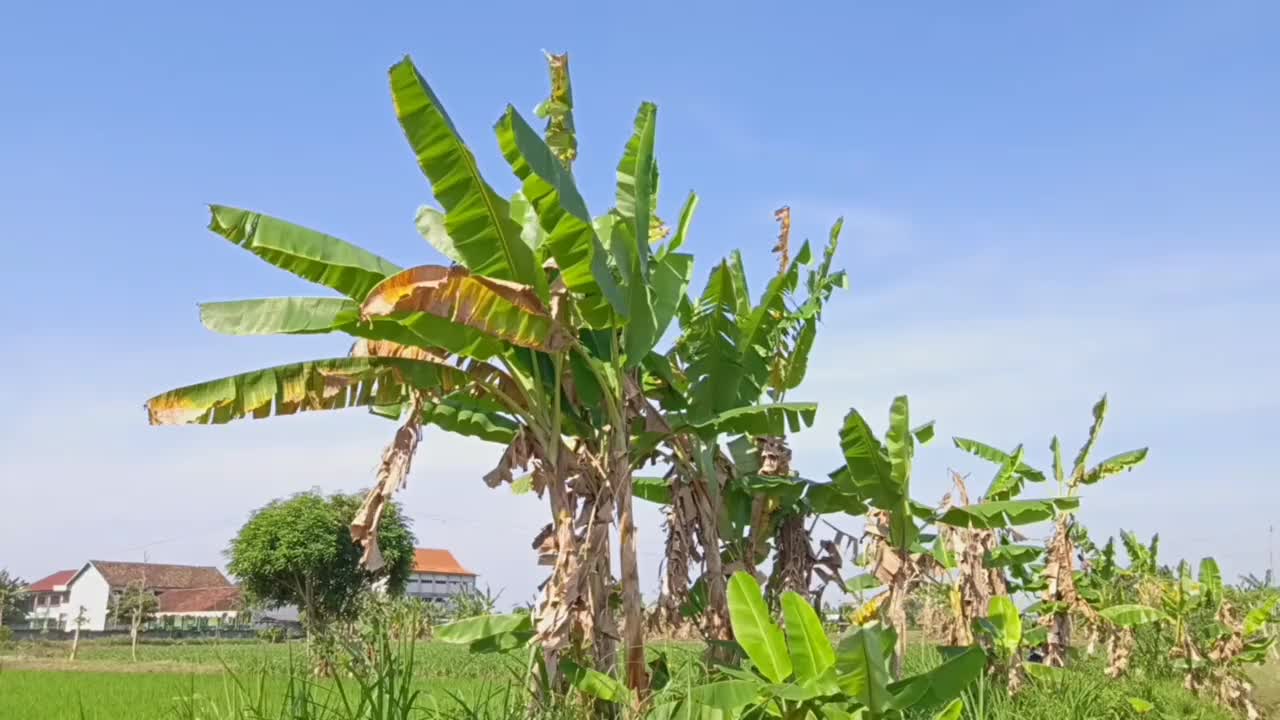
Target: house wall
pixel 53 615
pixel 89 589
pixel 437 586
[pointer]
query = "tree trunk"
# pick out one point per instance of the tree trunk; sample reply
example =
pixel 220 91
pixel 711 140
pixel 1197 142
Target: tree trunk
pixel 133 640
pixel 1060 589
pixel 604 629
pixel 896 613
pixel 632 606
pixel 681 525
pixel 562 591
pixel 75 643
pixel 715 620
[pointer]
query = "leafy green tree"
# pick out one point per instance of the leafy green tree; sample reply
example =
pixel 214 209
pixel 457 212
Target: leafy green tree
pixel 13 594
pixel 298 551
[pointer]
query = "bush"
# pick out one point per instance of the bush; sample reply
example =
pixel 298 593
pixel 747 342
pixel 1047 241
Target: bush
pixel 6 636
pixel 271 635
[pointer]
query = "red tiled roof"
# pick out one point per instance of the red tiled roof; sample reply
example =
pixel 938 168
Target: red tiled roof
pixel 160 577
pixel 211 599
pixel 442 562
pixel 47 584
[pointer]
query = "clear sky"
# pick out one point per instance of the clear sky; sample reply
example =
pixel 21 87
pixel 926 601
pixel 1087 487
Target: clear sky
pixel 1042 203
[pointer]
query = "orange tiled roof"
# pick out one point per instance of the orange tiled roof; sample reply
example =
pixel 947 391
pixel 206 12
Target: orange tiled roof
pixel 442 562
pixel 49 584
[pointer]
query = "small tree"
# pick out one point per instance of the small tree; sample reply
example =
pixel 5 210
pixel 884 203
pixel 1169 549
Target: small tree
pixel 81 619
pixel 13 593
pixel 298 551
pixel 136 606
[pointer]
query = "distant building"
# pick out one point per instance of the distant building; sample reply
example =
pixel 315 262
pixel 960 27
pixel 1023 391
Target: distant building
pixel 185 594
pixel 47 601
pixel 437 576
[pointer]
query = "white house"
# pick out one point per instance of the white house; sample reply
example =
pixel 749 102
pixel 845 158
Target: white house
pixel 181 591
pixel 437 576
pixel 48 601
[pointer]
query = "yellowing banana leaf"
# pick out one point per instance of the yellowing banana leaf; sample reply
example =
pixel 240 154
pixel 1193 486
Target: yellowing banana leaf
pixel 477 220
pixel 302 387
pixel 504 310
pixel 317 257
pixel 558 110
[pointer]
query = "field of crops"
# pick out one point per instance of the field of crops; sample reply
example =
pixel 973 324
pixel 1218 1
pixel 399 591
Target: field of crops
pixel 206 680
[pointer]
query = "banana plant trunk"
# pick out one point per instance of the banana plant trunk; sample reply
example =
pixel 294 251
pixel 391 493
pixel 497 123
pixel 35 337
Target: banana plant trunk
pixel 1060 590
pixel 715 619
pixel 604 629
pixel 632 605
pixel 561 595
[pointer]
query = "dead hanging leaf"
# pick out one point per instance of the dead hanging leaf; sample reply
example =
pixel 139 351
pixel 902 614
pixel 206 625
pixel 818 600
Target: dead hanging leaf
pixel 506 310
pixel 775 456
pixel 517 455
pixel 393 472
pixel 783 248
pixel 544 543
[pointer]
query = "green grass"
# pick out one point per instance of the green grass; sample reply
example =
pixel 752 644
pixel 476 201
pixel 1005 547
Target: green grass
pixel 36 683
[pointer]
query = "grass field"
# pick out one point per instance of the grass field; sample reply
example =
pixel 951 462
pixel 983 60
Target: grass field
pixel 185 681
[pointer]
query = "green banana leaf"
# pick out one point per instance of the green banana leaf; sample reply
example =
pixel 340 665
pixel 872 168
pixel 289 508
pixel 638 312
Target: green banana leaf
pixel 311 255
pixel 862 668
pixel 594 683
pixel 1131 615
pixel 469 630
pixel 1115 465
pixel 811 651
pixel 1006 513
pixel 476 219
pixel 755 631
pixel 570 233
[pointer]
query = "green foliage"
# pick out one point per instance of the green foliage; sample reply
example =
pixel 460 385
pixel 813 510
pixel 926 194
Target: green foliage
pixel 800 673
pixel 298 551
pixel 135 602
pixel 13 595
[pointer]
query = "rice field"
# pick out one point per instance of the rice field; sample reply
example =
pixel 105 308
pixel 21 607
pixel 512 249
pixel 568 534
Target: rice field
pixel 185 681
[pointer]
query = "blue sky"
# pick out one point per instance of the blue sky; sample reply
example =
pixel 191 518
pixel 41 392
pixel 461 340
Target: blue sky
pixel 1041 204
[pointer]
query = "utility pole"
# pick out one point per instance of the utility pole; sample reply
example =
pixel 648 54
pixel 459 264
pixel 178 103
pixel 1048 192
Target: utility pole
pixel 1271 554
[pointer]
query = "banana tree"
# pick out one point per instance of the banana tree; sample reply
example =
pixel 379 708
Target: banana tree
pixel 798 673
pixel 1213 640
pixel 1060 595
pixel 725 376
pixel 532 338
pixel 880 473
pixel 977 534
